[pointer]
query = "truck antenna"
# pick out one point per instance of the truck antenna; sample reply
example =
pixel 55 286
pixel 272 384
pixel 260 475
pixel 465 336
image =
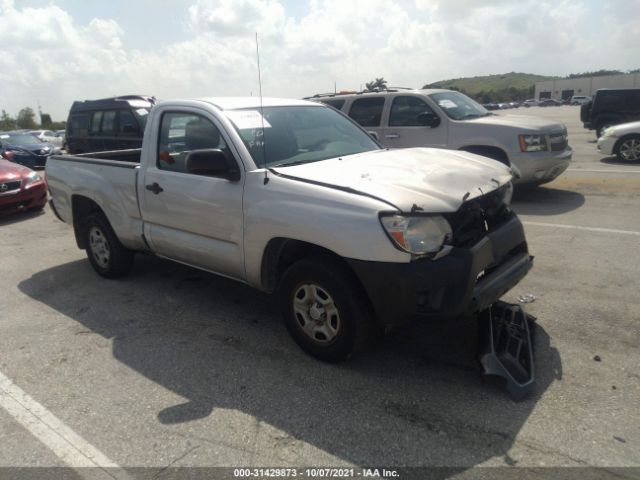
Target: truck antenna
pixel 264 144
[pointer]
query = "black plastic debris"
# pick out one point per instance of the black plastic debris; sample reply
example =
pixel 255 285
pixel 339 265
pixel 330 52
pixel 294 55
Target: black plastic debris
pixel 506 347
pixel 597 358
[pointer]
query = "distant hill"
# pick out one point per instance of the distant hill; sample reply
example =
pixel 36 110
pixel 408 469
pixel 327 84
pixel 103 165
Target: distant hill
pixel 490 83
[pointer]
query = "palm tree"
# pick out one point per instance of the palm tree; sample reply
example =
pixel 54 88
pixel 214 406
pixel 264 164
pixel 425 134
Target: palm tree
pixel 377 84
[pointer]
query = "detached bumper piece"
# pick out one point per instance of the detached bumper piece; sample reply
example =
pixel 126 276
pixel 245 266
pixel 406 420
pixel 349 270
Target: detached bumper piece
pixel 506 347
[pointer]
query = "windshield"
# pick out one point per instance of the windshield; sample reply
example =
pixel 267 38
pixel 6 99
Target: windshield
pixel 19 139
pixel 298 134
pixel 458 106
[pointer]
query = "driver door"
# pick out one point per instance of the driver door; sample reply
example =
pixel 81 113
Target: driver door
pixel 190 217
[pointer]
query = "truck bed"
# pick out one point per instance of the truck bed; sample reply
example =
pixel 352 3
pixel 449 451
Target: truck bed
pixel 109 179
pixel 129 156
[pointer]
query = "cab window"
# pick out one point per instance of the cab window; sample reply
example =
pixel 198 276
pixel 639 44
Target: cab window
pixel 405 111
pixel 181 133
pixel 367 111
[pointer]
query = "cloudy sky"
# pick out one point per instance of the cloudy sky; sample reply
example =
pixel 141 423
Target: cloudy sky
pixel 57 51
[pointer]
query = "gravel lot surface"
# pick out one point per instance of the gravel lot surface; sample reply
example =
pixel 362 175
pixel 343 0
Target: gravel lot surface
pixel 171 366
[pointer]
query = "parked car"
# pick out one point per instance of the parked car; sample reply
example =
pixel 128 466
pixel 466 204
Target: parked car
pixel 622 141
pixel 549 102
pixel 580 99
pixel 25 149
pixel 293 197
pixel 48 136
pixel 611 107
pixel 532 102
pixel 20 188
pixel 107 124
pixel 536 149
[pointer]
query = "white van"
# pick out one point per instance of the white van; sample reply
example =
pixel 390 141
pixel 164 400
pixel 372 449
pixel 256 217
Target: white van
pixel 536 149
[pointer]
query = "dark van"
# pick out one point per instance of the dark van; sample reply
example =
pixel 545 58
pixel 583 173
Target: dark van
pixel 611 107
pixel 107 124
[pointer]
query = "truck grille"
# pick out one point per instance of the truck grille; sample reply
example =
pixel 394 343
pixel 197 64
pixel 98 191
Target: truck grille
pixel 476 217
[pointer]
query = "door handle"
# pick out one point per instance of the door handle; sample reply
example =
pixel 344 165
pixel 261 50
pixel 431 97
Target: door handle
pixel 155 188
pixel 392 135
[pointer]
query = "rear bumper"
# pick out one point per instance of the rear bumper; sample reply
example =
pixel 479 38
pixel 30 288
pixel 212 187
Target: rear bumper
pixel 463 282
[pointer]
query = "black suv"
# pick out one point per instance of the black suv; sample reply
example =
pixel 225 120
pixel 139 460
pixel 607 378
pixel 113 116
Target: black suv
pixel 611 107
pixel 107 124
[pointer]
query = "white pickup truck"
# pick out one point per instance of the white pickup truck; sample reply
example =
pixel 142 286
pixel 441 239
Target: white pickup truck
pixel 294 197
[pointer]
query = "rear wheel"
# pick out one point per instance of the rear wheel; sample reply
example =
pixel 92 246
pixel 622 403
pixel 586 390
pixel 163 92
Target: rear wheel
pixel 628 149
pixel 106 254
pixel 324 309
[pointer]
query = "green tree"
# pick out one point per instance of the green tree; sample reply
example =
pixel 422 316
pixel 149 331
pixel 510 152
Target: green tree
pixel 6 121
pixel 26 118
pixel 377 84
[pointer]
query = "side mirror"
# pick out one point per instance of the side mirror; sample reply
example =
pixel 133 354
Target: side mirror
pixel 212 162
pixel 428 119
pixel 373 135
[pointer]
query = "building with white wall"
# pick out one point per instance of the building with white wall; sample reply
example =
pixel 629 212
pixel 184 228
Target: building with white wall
pixel 568 87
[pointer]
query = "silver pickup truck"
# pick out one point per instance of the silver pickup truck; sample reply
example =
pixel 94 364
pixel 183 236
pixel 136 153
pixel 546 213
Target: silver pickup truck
pixel 293 197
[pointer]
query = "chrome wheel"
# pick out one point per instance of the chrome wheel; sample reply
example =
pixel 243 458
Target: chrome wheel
pixel 99 247
pixel 629 150
pixel 316 313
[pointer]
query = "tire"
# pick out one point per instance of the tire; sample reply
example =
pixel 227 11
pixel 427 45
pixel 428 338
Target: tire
pixel 108 257
pixel 325 310
pixel 628 149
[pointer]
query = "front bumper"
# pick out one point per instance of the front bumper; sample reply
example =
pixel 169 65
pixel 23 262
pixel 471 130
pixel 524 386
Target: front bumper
pixel 463 282
pixel 539 167
pixel 606 145
pixel 24 199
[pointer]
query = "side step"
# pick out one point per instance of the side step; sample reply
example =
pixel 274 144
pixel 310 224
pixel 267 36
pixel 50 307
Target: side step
pixel 506 347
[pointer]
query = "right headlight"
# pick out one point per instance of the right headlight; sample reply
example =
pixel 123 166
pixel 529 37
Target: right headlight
pixel 418 235
pixel 32 178
pixel 533 143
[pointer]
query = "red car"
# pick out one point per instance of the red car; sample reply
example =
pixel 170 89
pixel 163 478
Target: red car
pixel 20 188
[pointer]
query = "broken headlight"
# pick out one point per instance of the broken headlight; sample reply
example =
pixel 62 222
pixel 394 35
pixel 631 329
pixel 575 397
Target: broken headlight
pixel 418 235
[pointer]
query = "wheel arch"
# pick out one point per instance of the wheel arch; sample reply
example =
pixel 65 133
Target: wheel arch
pixel 81 207
pixel 490 151
pixel 280 253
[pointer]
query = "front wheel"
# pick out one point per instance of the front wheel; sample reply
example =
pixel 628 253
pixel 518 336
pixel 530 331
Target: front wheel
pixel 628 150
pixel 324 309
pixel 106 254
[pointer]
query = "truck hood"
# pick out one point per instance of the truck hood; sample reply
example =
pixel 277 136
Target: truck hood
pixel 521 122
pixel 422 179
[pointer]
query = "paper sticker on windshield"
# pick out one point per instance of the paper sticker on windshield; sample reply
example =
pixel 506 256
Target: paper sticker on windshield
pixel 446 103
pixel 246 119
pixel 142 112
